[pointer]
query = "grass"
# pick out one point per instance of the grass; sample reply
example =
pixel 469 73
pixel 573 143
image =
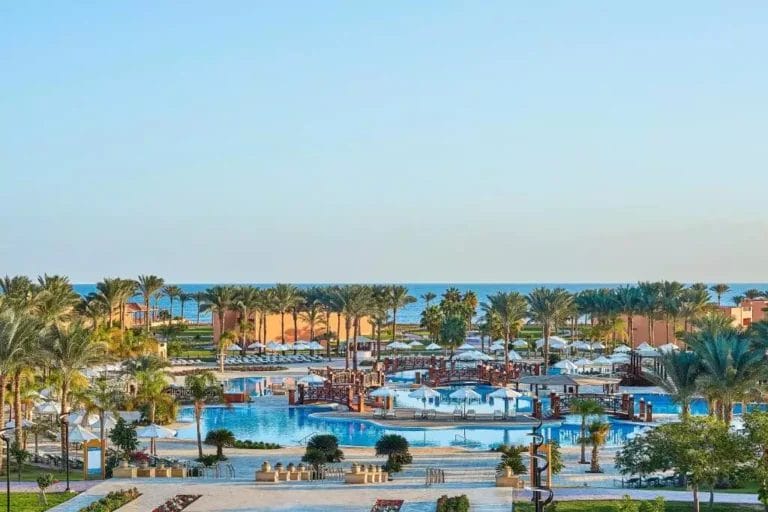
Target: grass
pixel 30 501
pixel 612 506
pixel 30 473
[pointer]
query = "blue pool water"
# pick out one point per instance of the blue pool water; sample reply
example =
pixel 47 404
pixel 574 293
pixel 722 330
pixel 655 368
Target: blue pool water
pixel 288 425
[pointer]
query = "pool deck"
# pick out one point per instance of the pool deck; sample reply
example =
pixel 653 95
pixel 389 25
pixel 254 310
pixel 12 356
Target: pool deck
pixel 442 420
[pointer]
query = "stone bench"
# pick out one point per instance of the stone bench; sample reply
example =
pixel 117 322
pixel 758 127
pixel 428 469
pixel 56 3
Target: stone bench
pixel 507 479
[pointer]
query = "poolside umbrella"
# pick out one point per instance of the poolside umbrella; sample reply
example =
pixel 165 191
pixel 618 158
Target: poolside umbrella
pixel 465 394
pixel 277 347
pixel 312 380
pixel 313 345
pixel 668 347
pixel 602 361
pixel 300 346
pixel 48 408
pixel 109 423
pixel 581 345
pixel 514 356
pixel 472 355
pixel 154 431
pixel 424 393
pixel 383 392
pixel 433 346
pixel 398 345
pixel 81 418
pixel 24 424
pixel 645 346
pixel 505 394
pixel 649 352
pixel 466 346
pixel 565 364
pixel 622 348
pixel 415 344
pixel 555 343
pixel 619 358
pixel 256 345
pixel 598 346
pixel 234 348
pixel 582 362
pixel 520 343
pixel 77 434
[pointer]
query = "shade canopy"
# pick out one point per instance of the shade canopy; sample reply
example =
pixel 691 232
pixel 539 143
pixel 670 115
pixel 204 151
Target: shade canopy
pixel 649 352
pixel 514 356
pixel 582 362
pixel 645 346
pixel 81 418
pixel 154 431
pixel 109 422
pixel 234 348
pixel 598 346
pixel 24 424
pixel 555 342
pixel 48 408
pixel 383 392
pixel 313 345
pixel 424 392
pixel 465 394
pixel 433 346
pixel 520 343
pixel 312 379
pixel 78 434
pixel 668 347
pixel 472 355
pixel 602 361
pixel 581 345
pixel 466 346
pixel 301 346
pixel 256 345
pixel 416 344
pixel 505 394
pixel 398 345
pixel 565 364
pixel 622 348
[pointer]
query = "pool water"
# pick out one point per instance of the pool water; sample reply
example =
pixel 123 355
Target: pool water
pixel 291 425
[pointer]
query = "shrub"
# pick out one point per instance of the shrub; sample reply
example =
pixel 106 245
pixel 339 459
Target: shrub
pixel 220 438
pixel 255 445
pixel 43 483
pixel 511 457
pixel 322 449
pixel 395 447
pixel 140 457
pixel 209 459
pixel 657 505
pixel 627 504
pixel 454 504
pixel 123 436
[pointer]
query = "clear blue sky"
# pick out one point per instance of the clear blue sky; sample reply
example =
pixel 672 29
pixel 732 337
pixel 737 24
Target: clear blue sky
pixel 399 140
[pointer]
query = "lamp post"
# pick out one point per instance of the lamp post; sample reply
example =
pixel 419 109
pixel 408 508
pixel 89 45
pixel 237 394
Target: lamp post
pixel 7 440
pixel 64 418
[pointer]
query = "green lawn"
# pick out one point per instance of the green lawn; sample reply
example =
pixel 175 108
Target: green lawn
pixel 612 506
pixel 30 473
pixel 30 501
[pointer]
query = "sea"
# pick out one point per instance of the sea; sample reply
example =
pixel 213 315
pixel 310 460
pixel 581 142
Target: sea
pixel 411 313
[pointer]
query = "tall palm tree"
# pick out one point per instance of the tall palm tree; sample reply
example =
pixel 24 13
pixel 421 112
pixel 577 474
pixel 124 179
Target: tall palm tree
pixel 199 299
pixel 102 397
pixel 150 391
pixel 650 305
pixel 286 298
pixel 753 293
pixel 148 286
pixel 597 434
pixel 68 349
pixel 202 387
pixel 585 408
pixel 719 290
pixel 548 307
pixel 55 299
pixel 226 339
pixel 681 381
pixel 359 305
pixel 671 293
pixel 110 292
pixel 19 293
pixel 379 314
pixel 628 299
pixel 398 299
pixel 247 300
pixel 344 299
pixel 693 303
pixel 509 309
pixel 218 300
pixel 184 297
pixel 127 289
pixel 312 311
pixel 470 302
pixel 172 292
pixel 428 297
pixel 737 300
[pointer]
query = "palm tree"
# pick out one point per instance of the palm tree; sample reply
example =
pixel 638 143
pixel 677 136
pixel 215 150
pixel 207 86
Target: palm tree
pixel 671 293
pixel 453 330
pixel 226 338
pixel 398 299
pixel 470 302
pixel 597 434
pixel 110 292
pixel 184 297
pixel 682 371
pixel 68 349
pixel 247 300
pixel 127 289
pixel 148 286
pixel 202 387
pixel 101 396
pixel 358 306
pixel 693 303
pixel 650 305
pixel 220 438
pixel 720 289
pixel 55 299
pixel 172 292
pixel 431 320
pixel 428 297
pixel 585 408
pixel 18 293
pixel 150 391
pixel 509 309
pixel 548 307
pixel 218 300
pixel 753 293
pixel 286 297
pixel 199 299
pixel 628 299
pixel 737 300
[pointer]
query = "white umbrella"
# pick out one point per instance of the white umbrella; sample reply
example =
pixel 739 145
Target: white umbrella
pixel 273 345
pixel 24 424
pixel 496 347
pixel 80 418
pixel 466 346
pixel 519 343
pixel 598 346
pixel 505 394
pixel 645 346
pixel 668 347
pixel 433 346
pixel 383 392
pixel 581 345
pixel 565 364
pixel 256 345
pixel 424 393
pixel 472 355
pixel 582 362
pixel 300 346
pixel 555 343
pixel 415 344
pixel 514 356
pixel 78 434
pixel 465 394
pixel 48 408
pixel 154 431
pixel 234 348
pixel 109 423
pixel 622 348
pixel 313 345
pixel 649 353
pixel 312 379
pixel 602 361
pixel 398 345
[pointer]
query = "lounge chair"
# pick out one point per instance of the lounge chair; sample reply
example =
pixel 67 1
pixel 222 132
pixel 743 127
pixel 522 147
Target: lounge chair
pixel 498 415
pixel 471 414
pixel 378 413
pixel 457 414
pixel 430 414
pixel 390 414
pixel 417 414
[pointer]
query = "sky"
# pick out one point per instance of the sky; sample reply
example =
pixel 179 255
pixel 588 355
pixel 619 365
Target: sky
pixel 431 141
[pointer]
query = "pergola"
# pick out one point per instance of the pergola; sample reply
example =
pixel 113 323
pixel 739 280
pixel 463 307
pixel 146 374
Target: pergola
pixel 572 382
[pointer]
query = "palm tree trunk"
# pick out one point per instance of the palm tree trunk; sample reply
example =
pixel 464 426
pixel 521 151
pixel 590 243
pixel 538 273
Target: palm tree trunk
pixel 2 416
pixel 198 412
pixel 64 410
pixel 295 327
pixel 546 348
pixel 378 343
pixel 582 442
pixel 650 330
pixel 338 332
pixel 394 322
pixel 630 330
pixel 198 313
pixel 19 430
pixel 146 317
pixel 282 327
pixel 354 344
pixel 594 465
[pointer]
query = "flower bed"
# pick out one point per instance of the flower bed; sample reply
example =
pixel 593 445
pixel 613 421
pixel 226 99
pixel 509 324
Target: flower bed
pixel 112 501
pixel 255 445
pixel 177 503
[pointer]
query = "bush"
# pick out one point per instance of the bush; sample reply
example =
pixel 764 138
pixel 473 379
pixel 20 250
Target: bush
pixel 220 438
pixel 322 449
pixel 208 460
pixel 112 501
pixel 656 505
pixel 255 445
pixel 395 447
pixel 627 504
pixel 123 436
pixel 454 504
pixel 511 457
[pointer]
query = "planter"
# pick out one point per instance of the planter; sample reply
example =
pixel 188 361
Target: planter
pixel 123 463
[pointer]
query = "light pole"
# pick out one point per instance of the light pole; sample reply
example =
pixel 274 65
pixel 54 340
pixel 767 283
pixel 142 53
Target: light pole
pixel 7 440
pixel 64 418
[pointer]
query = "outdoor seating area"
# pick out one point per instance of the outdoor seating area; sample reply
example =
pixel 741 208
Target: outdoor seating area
pixel 362 474
pixel 435 415
pixel 279 473
pixel 272 359
pixel 651 482
pixel 186 362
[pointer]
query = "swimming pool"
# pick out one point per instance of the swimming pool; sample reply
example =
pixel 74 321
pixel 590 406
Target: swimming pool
pixel 290 425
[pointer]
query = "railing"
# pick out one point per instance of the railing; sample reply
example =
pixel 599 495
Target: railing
pixel 437 475
pixel 328 472
pixel 434 476
pixel 305 440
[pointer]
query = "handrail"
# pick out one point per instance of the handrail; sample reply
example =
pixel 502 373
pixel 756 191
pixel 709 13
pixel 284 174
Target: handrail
pixel 304 440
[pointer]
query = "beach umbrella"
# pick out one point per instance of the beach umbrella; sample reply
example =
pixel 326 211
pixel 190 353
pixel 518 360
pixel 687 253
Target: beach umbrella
pixel 602 361
pixel 465 394
pixel 415 344
pixel 465 346
pixel 154 431
pixel 555 343
pixel 109 423
pixel 581 345
pixel 649 352
pixel 505 394
pixel 582 362
pixel 24 424
pixel 565 364
pixel 81 418
pixel 514 356
pixel 383 392
pixel 472 355
pixel 668 347
pixel 433 346
pixel 234 348
pixel 257 345
pixel 48 408
pixel 424 393
pixel 622 349
pixel 313 345
pixel 77 434
pixel 645 346
pixel 300 346
pixel 619 358
pixel 520 343
pixel 312 379
pixel 598 346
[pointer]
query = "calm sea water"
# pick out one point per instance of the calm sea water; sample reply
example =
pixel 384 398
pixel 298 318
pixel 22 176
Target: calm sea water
pixel 411 313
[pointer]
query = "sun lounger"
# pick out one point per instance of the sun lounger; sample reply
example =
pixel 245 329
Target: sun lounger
pixel 417 414
pixel 457 414
pixel 498 415
pixel 390 414
pixel 430 414
pixel 471 414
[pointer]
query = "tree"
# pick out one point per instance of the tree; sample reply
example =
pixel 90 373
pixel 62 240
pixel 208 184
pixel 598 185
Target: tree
pixel 753 293
pixel 396 449
pixel 123 436
pixel 756 427
pixel 20 455
pixel 218 300
pixel 511 457
pixel 719 290
pixel 220 438
pixel 148 286
pixel 596 436
pixel 737 300
pixel 150 392
pixel 172 292
pixel 432 320
pixel 286 297
pixel 585 408
pixel 102 397
pixel 43 483
pixel 225 340
pixel 628 299
pixel 201 386
pixel 682 370
pixel 428 297
pixel 509 310
pixel 322 449
pixel 398 299
pixel 548 307
pixel 453 330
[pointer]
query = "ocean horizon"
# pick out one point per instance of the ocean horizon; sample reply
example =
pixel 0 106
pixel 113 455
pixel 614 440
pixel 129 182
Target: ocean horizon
pixel 411 313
